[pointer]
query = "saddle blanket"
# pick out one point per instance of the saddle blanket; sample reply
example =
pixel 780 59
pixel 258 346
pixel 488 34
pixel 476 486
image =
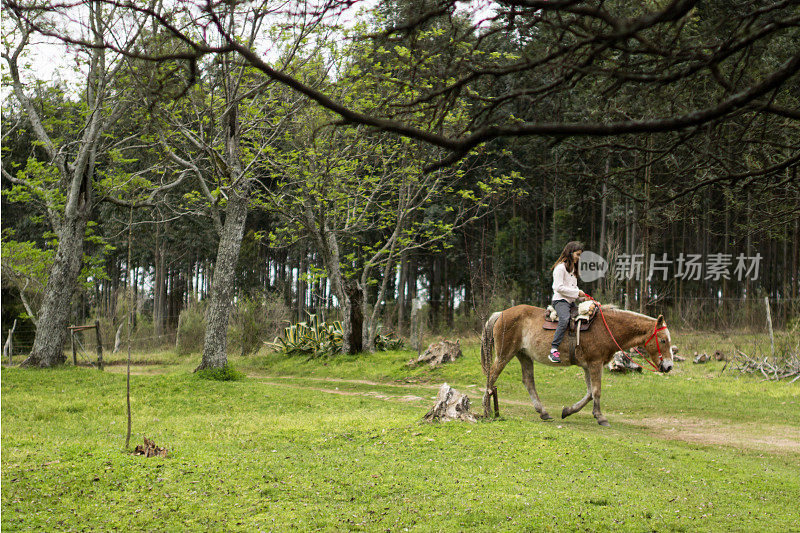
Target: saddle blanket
pixel 585 313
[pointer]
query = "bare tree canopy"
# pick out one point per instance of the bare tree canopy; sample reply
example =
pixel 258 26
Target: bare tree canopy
pixel 517 68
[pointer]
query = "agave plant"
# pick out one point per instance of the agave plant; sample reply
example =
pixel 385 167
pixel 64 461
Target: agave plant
pixel 316 338
pixel 312 337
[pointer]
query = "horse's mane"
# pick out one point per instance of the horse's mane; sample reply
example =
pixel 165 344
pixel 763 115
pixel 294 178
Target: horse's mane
pixel 628 311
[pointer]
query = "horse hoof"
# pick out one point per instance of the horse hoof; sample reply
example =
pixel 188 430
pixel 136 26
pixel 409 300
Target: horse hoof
pixel 565 412
pixel 603 422
pixel 545 416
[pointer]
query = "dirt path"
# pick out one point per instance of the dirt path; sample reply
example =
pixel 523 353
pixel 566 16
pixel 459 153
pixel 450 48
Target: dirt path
pixel 750 436
pixel 782 439
pixel 772 439
pixel 406 384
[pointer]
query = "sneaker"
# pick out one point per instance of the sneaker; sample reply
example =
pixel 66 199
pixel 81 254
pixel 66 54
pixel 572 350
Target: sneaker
pixel 555 357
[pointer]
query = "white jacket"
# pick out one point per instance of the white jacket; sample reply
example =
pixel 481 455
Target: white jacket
pixel 565 285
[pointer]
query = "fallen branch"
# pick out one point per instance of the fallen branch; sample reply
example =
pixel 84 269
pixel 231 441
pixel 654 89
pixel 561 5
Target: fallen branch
pixel 773 369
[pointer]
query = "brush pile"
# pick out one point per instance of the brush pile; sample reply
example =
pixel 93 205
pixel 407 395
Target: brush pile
pixel 784 366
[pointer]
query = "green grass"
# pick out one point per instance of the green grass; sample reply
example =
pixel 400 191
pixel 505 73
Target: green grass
pixel 271 453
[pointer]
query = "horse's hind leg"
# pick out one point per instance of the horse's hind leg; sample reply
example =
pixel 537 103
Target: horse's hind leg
pixel 596 374
pixel 527 379
pixel 494 373
pixel 503 357
pixel 583 401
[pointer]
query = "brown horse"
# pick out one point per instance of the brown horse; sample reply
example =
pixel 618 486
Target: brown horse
pixel 518 332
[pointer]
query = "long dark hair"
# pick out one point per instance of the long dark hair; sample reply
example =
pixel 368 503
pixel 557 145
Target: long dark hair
pixel 566 256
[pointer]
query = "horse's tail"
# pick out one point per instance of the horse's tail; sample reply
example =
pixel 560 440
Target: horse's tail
pixel 487 343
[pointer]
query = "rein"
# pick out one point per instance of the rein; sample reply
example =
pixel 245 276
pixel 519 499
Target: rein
pixel 656 329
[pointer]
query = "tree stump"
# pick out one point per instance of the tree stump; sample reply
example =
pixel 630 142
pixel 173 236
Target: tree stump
pixel 720 356
pixel 438 353
pixel 450 405
pixel 700 359
pixel 622 364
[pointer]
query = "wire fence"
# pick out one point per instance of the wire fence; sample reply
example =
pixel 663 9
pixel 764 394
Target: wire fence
pixel 86 346
pixel 453 318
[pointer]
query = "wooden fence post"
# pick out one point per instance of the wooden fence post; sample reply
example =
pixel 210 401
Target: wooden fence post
pixel 769 323
pixel 99 345
pixel 74 351
pixel 8 348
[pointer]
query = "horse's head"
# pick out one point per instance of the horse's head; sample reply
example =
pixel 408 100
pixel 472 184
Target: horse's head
pixel 658 346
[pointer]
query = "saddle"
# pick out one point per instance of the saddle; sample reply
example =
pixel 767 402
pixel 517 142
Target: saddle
pixel 584 313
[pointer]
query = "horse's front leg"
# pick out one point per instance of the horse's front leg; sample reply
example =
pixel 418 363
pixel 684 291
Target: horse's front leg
pixel 583 401
pixel 530 384
pixel 595 375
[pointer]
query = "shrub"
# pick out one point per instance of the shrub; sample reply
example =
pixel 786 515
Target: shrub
pixel 387 342
pixel 255 319
pixel 191 329
pixel 226 373
pixel 466 324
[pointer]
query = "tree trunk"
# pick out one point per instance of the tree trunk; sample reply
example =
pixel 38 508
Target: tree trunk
pixel 158 284
pixel 302 285
pixel 112 308
pixel 135 291
pixel 785 282
pixel 371 313
pixel 748 242
pixel 411 281
pixel 448 293
pixel 215 346
pixel 352 320
pixel 645 229
pixel 54 314
pixel 627 249
pixel 601 246
pixel 347 293
pixel 368 325
pixel 401 294
pixel 795 256
pixel 74 186
pixel 435 291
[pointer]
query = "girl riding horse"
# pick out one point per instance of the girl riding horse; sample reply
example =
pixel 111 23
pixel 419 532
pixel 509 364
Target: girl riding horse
pixel 565 292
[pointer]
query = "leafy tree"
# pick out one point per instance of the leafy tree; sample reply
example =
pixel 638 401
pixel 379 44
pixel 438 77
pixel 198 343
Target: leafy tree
pixel 64 181
pixel 224 129
pixel 363 199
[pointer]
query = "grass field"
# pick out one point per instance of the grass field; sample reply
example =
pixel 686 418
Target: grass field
pixel 338 444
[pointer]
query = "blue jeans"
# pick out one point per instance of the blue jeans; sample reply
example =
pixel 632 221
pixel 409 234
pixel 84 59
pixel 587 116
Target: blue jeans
pixel 563 309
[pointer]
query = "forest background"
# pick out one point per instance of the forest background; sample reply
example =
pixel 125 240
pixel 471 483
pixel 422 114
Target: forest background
pixel 226 169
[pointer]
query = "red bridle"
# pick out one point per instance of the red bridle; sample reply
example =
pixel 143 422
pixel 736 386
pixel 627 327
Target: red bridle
pixel 656 329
